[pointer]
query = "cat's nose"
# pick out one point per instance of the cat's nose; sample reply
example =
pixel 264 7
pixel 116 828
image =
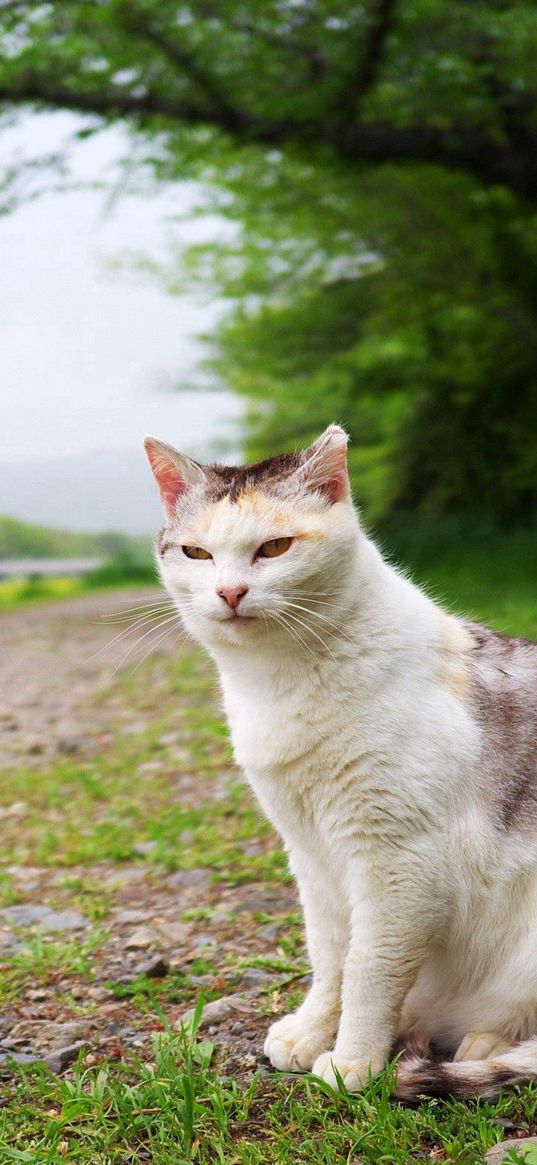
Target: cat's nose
pixel 232 595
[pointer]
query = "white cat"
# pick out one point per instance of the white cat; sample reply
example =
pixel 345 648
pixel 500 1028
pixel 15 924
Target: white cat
pixel 393 747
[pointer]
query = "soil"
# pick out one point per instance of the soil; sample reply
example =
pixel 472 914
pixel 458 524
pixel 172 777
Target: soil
pixel 56 659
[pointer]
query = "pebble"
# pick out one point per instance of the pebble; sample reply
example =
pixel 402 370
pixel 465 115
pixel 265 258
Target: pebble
pixel 142 938
pixel 69 745
pixel 217 1011
pixel 197 877
pixel 55 1062
pixel 155 968
pixel 173 932
pixel 44 917
pixel 16 809
pixel 143 848
pixel 271 931
pixel 255 977
pixel 45 1035
pixel 498 1153
pixel 131 916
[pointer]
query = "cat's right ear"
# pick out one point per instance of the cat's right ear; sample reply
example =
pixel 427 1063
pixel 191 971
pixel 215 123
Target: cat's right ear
pixel 174 473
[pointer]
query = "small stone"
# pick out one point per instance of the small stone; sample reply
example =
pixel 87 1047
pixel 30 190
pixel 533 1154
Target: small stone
pixel 217 1011
pixel 149 767
pixel 271 932
pixel 131 916
pixel 61 1059
pixel 17 1058
pixel 170 738
pixel 255 977
pixel 237 1028
pixel 201 876
pixel 174 932
pixel 36 994
pixel 143 848
pixel 204 940
pixel 16 809
pixel 43 916
pixel 498 1153
pixel 69 745
pixel 186 837
pixel 142 938
pixel 155 968
pixel 47 1036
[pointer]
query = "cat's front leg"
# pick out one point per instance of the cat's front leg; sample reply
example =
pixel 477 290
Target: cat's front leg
pixel 294 1042
pixel 390 933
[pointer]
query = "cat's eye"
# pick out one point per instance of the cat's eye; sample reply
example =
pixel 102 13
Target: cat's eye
pixel 196 552
pixel 274 547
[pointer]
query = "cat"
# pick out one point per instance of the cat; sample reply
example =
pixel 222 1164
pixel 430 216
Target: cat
pixel 393 746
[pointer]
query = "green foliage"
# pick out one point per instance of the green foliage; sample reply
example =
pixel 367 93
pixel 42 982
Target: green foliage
pixel 125 568
pixel 25 540
pixel 378 162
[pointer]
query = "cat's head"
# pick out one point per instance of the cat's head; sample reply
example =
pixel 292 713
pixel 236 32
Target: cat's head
pixel 257 551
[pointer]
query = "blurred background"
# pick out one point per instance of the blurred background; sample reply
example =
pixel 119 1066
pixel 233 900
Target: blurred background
pixel 230 224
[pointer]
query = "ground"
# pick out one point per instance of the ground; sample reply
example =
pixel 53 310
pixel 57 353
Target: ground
pixel 137 880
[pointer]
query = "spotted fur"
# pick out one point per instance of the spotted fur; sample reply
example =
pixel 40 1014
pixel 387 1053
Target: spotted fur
pixel 393 747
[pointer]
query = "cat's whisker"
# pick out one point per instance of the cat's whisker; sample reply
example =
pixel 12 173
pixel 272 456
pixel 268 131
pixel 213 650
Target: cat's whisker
pixel 310 630
pixel 137 610
pixel 133 627
pixel 292 632
pixel 152 647
pixel 133 619
pixel 165 623
pixel 338 629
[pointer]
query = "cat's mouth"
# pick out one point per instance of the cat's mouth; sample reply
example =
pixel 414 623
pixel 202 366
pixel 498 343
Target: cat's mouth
pixel 235 618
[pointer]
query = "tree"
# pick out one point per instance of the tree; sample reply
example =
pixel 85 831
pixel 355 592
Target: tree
pixel 381 159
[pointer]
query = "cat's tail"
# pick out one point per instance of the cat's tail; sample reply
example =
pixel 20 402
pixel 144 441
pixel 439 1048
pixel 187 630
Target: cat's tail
pixel 464 1079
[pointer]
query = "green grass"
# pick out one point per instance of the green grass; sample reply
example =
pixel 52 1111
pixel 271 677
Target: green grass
pixel 489 575
pixel 174 1109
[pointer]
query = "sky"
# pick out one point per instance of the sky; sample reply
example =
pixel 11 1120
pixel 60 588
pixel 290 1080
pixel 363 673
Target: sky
pixel 90 355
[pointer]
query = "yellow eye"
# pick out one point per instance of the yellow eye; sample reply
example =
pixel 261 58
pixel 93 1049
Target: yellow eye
pixel 196 552
pixel 273 548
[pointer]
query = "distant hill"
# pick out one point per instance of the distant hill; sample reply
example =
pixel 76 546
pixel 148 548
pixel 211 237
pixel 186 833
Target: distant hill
pixel 24 540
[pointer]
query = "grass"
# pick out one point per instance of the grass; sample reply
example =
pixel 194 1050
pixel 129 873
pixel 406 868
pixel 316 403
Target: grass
pixel 15 592
pixel 175 1110
pixel 126 806
pixel 488 575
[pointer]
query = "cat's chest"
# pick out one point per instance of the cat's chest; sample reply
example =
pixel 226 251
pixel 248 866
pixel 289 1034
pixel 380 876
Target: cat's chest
pixel 274 728
pixel 292 746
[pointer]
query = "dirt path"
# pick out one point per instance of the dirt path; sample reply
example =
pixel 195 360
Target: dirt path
pixel 135 873
pixel 54 656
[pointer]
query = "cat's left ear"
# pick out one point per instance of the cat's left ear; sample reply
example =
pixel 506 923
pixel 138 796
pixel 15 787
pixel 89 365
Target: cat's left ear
pixel 324 467
pixel 174 473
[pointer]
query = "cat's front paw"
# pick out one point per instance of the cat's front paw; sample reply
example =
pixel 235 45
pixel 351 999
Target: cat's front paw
pixel 355 1074
pixel 292 1045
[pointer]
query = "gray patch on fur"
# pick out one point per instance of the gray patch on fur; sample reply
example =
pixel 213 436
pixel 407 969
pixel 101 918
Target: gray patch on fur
pixel 233 480
pixel 423 1078
pixel 504 673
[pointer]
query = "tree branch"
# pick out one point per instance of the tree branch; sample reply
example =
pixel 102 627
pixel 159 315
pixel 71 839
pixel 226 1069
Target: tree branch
pixel 456 148
pixel 185 62
pixel 379 29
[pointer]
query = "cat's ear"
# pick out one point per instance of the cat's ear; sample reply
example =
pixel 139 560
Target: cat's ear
pixel 324 467
pixel 174 473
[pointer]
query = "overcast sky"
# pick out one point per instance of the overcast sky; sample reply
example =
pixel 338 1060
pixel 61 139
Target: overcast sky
pixel 88 357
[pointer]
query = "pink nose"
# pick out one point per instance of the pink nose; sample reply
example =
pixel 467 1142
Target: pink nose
pixel 232 595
